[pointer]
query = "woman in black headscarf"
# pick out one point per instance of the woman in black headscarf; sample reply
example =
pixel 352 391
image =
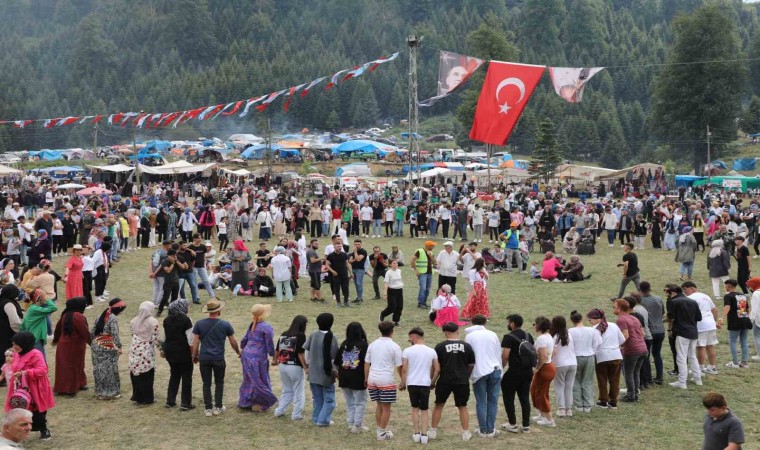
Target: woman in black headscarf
pixel 72 335
pixel 176 350
pixel 106 348
pixel 10 315
pixel 29 366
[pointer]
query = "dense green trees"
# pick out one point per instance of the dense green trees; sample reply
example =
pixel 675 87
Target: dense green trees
pixel 102 56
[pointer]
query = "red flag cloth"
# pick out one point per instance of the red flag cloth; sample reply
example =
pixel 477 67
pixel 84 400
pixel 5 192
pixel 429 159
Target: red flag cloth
pixel 97 119
pixel 233 110
pixel 506 91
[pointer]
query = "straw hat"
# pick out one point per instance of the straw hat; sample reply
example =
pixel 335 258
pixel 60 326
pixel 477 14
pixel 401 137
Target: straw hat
pixel 261 312
pixel 213 306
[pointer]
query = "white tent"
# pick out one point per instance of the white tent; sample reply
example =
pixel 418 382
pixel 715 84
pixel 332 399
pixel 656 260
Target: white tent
pixel 239 172
pixel 176 167
pixel 112 168
pixel 434 172
pixel 5 170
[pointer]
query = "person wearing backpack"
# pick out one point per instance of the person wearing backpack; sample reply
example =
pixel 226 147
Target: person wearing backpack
pixel 519 352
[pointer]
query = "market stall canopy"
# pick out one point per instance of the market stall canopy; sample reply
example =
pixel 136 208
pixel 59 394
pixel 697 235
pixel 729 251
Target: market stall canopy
pixel 356 169
pixel 112 168
pixel 578 172
pixel 94 190
pixel 177 167
pixel 687 180
pixel 258 151
pixel 71 186
pixel 435 172
pixel 5 170
pixel 742 183
pixel 238 172
pixel 637 169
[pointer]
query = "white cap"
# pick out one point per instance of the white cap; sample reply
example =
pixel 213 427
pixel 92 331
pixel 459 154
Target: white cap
pixel 447 243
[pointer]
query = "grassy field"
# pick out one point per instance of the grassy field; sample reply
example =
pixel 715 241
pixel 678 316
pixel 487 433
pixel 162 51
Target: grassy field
pixel 666 418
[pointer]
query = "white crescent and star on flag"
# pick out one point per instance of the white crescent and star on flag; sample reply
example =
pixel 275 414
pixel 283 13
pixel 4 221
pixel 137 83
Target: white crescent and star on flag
pixel 518 83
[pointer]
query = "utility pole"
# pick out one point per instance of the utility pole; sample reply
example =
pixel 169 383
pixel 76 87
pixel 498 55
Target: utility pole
pixel 414 43
pixel 489 150
pixel 95 140
pixel 269 149
pixel 709 160
pixel 137 160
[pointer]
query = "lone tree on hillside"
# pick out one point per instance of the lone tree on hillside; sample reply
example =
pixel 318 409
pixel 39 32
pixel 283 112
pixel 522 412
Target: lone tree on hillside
pixel 546 154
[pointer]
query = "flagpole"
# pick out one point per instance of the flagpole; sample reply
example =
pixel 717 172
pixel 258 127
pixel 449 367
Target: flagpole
pixel 414 47
pixel 488 160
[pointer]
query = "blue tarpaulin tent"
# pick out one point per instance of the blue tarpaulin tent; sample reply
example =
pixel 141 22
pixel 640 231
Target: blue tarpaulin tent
pixel 745 164
pixel 687 180
pixel 719 164
pixel 257 151
pixel 363 146
pixel 354 169
pixel 156 146
pixel 47 155
pixel 405 135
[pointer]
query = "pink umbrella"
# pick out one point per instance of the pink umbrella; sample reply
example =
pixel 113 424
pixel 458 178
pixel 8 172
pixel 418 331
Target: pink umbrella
pixel 94 190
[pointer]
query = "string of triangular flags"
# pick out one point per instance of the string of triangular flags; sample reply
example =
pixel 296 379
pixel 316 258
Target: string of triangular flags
pixel 506 90
pixel 161 120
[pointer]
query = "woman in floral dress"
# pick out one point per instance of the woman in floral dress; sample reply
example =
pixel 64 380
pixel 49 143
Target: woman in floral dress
pixel 106 348
pixel 258 345
pixel 142 355
pixel 477 302
pixel 232 223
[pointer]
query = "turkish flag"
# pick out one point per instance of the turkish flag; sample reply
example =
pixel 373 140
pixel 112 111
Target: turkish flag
pixel 506 91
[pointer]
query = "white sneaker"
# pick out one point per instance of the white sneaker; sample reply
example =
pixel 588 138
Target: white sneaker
pixel 506 426
pixel 466 435
pixel 731 365
pixel 587 410
pixel 756 358
pixel 385 436
pixel 561 412
pixel 219 411
pixel 424 439
pixel 546 423
pixel 208 412
pixel 710 371
pixel 432 433
pixel 568 412
pixel 677 384
pixel 416 437
pixel 88 307
pixel 698 381
pixel 358 429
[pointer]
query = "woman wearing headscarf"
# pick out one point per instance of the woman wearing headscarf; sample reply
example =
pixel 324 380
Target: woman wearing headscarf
pixel 176 349
pixel 240 256
pixel 37 318
pixel 685 248
pixel 29 367
pixel 144 229
pixel 72 335
pixel 11 315
pixel 573 270
pixel 7 268
pixel 258 345
pixel 162 222
pixel 608 359
pixel 41 249
pixel 106 348
pixel 142 357
pixel 718 265
pixel 207 221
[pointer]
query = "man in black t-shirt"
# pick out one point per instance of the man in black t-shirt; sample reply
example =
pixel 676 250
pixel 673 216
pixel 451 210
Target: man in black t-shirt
pixel 314 268
pixel 457 360
pixel 170 266
pixel 263 256
pixel 358 259
pixel 379 263
pixel 199 265
pixel 743 263
pixel 630 267
pixel 517 378
pixel 186 274
pixel 736 312
pixel 337 265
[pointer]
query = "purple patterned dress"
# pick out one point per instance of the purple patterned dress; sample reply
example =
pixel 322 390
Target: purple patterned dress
pixel 258 346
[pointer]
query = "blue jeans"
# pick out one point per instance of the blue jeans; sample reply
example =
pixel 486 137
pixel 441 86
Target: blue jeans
pixel 201 274
pixel 687 268
pixel 756 336
pixel 377 227
pixel 398 227
pixel 323 404
pixel 359 283
pixel 433 228
pixel 189 278
pixel 325 228
pixel 610 236
pixel 733 335
pixel 486 391
pixel 463 230
pixel 425 279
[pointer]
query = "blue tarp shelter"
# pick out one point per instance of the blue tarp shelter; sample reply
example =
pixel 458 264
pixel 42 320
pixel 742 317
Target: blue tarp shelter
pixel 745 164
pixel 719 164
pixel 258 151
pixel 405 135
pixel 156 146
pixel 363 146
pixel 60 171
pixel 355 169
pixel 687 180
pixel 46 155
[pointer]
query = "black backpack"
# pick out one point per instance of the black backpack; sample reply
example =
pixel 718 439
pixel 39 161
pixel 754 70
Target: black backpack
pixel 526 353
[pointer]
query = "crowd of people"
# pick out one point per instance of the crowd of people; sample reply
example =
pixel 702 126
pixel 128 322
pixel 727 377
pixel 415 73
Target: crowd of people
pixel 181 224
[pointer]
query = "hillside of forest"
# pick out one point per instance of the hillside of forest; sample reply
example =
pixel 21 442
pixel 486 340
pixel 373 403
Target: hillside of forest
pixel 79 57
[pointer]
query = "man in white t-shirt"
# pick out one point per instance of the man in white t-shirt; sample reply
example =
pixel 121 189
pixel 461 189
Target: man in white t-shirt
pixel 486 375
pixel 446 263
pixel 383 358
pixel 707 327
pixel 419 367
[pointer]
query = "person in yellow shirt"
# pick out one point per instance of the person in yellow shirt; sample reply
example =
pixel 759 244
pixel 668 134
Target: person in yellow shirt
pixel 124 235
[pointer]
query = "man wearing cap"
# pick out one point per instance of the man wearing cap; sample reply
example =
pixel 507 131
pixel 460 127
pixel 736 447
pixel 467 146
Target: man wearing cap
pixel 212 332
pixel 511 238
pixel 422 264
pixel 446 263
pixel 14 212
pixel 199 265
